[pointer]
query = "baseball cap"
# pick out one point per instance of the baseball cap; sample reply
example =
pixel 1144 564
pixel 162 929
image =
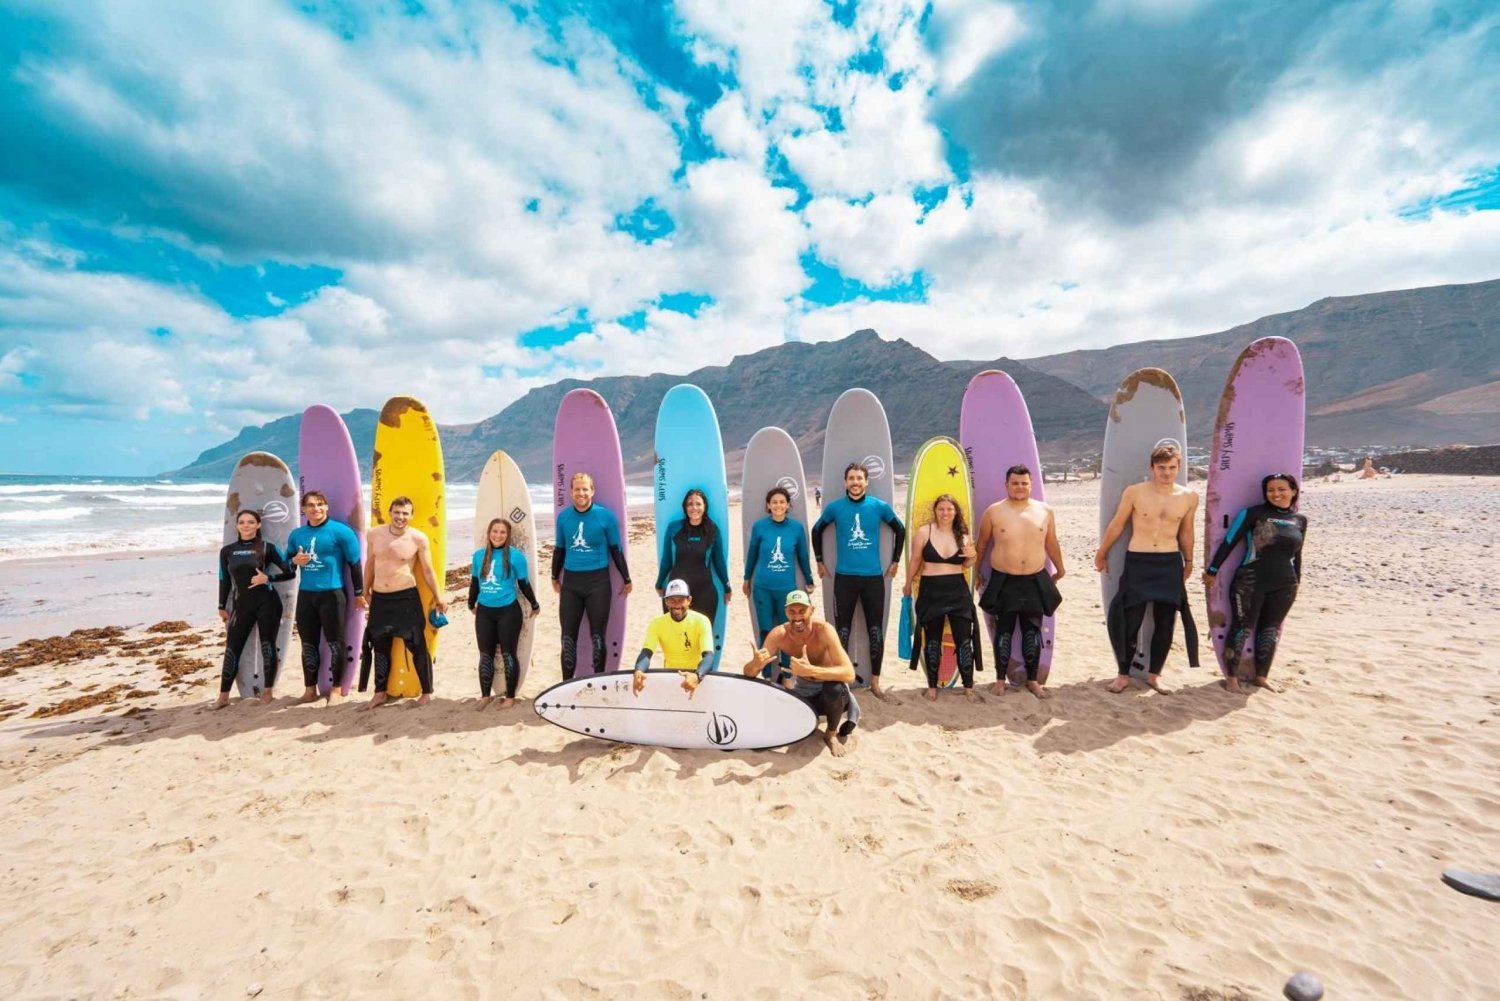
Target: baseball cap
pixel 677 589
pixel 798 597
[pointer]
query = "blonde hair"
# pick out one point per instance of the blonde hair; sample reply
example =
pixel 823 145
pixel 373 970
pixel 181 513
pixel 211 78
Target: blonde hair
pixel 581 476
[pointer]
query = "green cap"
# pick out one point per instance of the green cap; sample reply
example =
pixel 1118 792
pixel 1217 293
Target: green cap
pixel 798 597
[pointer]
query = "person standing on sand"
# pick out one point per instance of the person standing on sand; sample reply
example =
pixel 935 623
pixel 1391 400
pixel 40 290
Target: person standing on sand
pixel 1020 590
pixel 776 551
pixel 686 638
pixel 585 542
pixel 396 551
pixel 320 597
pixel 860 582
pixel 1158 562
pixel 942 551
pixel 248 603
pixel 497 575
pixel 821 670
pixel 693 551
pixel 1265 584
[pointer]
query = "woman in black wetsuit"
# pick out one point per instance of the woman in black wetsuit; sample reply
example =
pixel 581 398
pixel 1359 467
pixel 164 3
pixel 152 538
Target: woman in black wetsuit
pixel 941 553
pixel 248 602
pixel 693 549
pixel 1265 585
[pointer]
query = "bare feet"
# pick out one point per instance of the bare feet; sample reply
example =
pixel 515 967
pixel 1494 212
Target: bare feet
pixel 265 697
pixel 485 700
pixel 335 695
pixel 1121 682
pixel 884 696
pixel 507 702
pixel 374 702
pixel 308 695
pixel 424 699
pixel 1263 683
pixel 1232 684
pixel 972 696
pixel 222 702
pixel 1035 688
pixel 930 695
pixel 838 744
pixel 1153 682
pixel 998 688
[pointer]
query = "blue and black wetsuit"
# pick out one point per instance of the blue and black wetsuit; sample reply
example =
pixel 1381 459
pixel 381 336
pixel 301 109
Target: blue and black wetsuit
pixel 250 608
pixel 776 551
pixel 497 613
pixel 321 606
pixel 1265 584
pixel 695 554
pixel 859 580
pixel 584 544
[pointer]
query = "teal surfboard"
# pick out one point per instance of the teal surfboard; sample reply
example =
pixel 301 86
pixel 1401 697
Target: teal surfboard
pixel 690 454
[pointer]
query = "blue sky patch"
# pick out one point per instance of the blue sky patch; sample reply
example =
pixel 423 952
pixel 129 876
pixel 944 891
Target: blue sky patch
pixel 554 335
pixel 829 286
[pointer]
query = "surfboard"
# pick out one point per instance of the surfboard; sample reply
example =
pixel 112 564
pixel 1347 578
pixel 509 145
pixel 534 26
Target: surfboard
pixel 1146 410
pixel 994 427
pixel 728 712
pixel 857 431
pixel 585 440
pixel 1258 431
pixel 262 482
pixel 689 455
pixel 326 462
pixel 409 463
pixel 503 494
pixel 772 459
pixel 938 468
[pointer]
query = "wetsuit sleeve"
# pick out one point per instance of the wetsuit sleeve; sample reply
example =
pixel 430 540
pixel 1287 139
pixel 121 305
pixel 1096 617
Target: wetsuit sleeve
pixel 705 662
pixel 824 520
pixel 643 660
pixel 1231 539
pixel 617 557
pixel 273 556
pixel 1297 556
pixel 473 591
pixel 350 542
pixel 523 585
pixel 719 558
pixel 612 539
pixel 559 548
pixel 667 554
pixel 224 582
pixel 799 549
pixel 898 533
pixel 752 551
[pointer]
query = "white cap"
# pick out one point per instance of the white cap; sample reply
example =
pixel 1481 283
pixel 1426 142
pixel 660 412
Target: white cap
pixel 677 589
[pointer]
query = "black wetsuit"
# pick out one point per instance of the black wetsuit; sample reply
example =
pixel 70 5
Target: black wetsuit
pixel 1265 584
pixel 585 543
pixel 944 597
pixel 694 554
pixel 1023 599
pixel 498 620
pixel 1153 579
pixel 250 607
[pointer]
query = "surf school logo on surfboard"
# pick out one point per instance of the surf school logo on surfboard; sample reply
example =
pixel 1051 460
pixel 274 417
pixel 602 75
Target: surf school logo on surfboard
pixel 722 729
pixel 790 486
pixel 661 479
pixel 875 466
pixel 517 516
pixel 275 511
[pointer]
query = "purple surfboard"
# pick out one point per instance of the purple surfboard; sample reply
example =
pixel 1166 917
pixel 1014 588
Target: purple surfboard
pixel 585 440
pixel 326 462
pixel 994 428
pixel 1259 431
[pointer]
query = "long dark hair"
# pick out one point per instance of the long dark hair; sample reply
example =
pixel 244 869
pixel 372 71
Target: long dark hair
pixel 960 527
pixel 489 550
pixel 1291 481
pixel 259 541
pixel 710 530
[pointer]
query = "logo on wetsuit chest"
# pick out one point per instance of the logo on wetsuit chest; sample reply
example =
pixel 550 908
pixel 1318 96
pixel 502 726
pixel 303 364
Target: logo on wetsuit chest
pixel 857 540
pixel 777 559
pixel 722 729
pixel 578 542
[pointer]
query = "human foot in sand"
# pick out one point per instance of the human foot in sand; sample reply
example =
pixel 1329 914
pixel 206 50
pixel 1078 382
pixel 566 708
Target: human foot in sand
pixel 424 699
pixel 930 695
pixel 335 695
pixel 308 695
pixel 972 696
pixel 222 702
pixel 1231 684
pixel 266 697
pixel 485 700
pixel 1120 683
pixel 1153 682
pixel 506 703
pixel 998 688
pixel 374 703
pixel 882 694
pixel 1264 683
pixel 1035 688
pixel 840 742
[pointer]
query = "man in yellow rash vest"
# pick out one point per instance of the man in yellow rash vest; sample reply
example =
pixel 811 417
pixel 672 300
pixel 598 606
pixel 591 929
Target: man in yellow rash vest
pixel 686 639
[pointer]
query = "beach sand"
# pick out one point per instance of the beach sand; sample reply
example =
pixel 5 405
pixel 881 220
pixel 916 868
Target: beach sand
pixel 1199 846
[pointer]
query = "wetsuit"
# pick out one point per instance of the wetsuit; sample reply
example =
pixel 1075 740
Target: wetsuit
pixel 1023 599
pixel 256 607
pixel 943 597
pixel 1265 584
pixel 685 646
pixel 497 613
pixel 695 554
pixel 1153 579
pixel 584 544
pixel 774 554
pixel 321 603
pixel 859 580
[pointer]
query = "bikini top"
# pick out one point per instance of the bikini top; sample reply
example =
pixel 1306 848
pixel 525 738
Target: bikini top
pixel 930 555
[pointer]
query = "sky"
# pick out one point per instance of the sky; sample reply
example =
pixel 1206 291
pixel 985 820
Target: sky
pixel 213 215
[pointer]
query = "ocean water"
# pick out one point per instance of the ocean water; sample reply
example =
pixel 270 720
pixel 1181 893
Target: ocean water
pixel 73 515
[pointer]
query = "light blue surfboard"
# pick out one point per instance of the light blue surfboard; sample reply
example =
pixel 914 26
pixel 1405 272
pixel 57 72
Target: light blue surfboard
pixel 689 454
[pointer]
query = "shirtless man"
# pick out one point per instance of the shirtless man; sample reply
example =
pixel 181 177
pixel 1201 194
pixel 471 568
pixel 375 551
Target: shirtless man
pixel 396 551
pixel 1020 589
pixel 820 669
pixel 1158 562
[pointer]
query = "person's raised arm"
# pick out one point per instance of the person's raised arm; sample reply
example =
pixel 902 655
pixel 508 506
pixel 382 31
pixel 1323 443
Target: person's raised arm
pixel 762 655
pixel 841 670
pixel 1236 534
pixel 274 558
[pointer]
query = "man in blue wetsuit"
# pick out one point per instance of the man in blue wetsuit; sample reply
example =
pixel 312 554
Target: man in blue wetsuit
pixel 586 541
pixel 860 581
pixel 321 550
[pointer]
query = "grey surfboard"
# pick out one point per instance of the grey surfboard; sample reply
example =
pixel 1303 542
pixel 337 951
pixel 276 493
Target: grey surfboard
pixel 262 482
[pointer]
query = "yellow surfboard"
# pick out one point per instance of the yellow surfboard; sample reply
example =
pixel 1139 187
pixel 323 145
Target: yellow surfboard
pixel 408 462
pixel 940 467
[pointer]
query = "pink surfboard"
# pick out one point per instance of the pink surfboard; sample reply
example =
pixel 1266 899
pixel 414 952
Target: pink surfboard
pixel 1259 431
pixel 585 440
pixel 994 427
pixel 326 462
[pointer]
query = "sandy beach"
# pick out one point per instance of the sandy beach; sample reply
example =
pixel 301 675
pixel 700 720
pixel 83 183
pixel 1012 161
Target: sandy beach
pixel 1197 847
